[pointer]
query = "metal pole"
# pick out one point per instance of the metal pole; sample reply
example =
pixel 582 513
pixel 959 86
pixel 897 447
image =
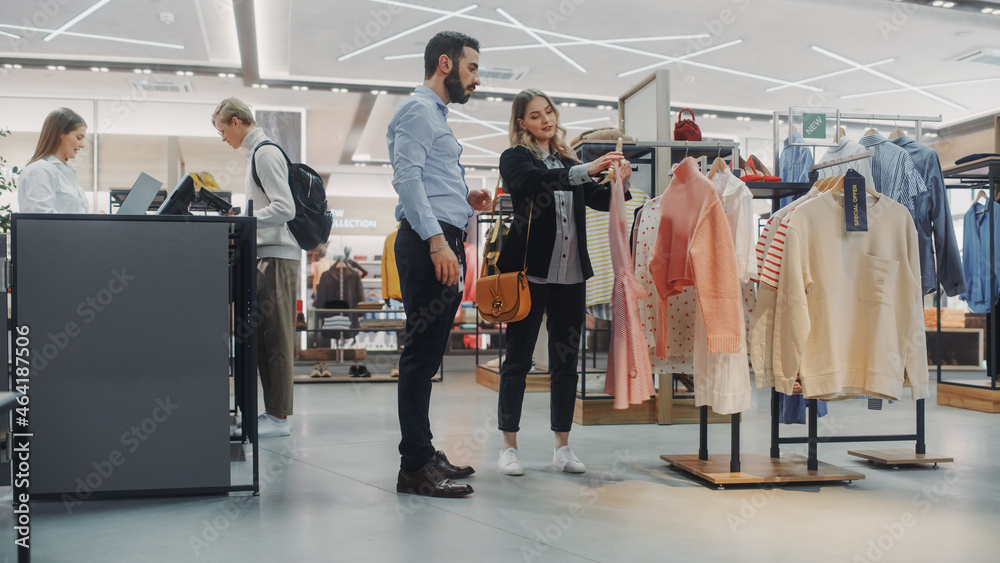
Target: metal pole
pixel 703 433
pixel 775 429
pixel 734 456
pixel 812 463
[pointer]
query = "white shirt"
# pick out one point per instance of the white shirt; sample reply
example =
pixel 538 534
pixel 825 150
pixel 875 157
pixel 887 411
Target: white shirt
pixel 49 186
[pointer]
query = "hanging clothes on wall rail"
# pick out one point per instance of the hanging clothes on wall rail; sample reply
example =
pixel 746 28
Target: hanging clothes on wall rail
pixel 981 292
pixel 934 224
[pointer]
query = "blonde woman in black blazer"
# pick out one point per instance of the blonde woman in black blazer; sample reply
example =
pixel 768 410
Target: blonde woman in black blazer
pixel 544 178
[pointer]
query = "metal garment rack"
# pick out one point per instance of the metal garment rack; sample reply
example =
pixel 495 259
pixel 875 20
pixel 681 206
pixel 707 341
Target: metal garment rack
pixel 974 175
pixel 887 457
pixel 773 468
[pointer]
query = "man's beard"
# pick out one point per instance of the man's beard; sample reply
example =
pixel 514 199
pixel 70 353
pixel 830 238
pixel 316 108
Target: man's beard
pixel 457 91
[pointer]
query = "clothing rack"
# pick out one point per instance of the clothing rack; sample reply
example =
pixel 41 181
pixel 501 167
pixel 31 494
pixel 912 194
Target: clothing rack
pixel 773 468
pixel 844 160
pixel 918 121
pixel 974 175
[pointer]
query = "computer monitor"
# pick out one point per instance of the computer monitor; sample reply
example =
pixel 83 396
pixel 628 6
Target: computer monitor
pixel 140 196
pixel 179 200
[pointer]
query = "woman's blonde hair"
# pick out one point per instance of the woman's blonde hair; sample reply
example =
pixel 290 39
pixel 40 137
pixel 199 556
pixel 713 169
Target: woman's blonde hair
pixel 58 123
pixel 233 107
pixel 520 137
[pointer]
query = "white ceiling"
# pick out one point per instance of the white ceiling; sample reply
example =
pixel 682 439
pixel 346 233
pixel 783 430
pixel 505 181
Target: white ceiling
pixel 774 42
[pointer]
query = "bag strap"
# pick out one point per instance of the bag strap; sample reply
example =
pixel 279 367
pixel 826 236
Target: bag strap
pixel 253 163
pixel 681 113
pixel 527 239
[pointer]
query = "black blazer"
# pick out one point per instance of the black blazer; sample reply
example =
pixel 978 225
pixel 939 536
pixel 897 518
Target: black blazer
pixel 527 179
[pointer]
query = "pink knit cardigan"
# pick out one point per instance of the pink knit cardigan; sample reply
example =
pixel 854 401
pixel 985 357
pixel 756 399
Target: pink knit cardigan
pixel 694 247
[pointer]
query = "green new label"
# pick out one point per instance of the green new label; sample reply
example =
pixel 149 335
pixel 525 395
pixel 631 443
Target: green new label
pixel 814 125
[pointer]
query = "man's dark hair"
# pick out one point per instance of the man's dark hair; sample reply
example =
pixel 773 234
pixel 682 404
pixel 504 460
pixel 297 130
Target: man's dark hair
pixel 451 43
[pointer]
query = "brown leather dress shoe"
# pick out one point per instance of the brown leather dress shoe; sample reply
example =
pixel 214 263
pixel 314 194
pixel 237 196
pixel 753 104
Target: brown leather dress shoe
pixel 428 481
pixel 451 471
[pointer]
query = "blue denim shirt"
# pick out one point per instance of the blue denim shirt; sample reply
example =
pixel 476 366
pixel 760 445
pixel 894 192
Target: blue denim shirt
pixel 425 170
pixel 794 162
pixel 933 217
pixel 976 257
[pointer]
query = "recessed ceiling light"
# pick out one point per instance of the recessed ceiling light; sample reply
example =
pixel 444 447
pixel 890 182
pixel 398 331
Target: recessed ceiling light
pixel 296 87
pixel 104 69
pixel 255 85
pixel 937 3
pixel 305 87
pixel 95 69
pixel 180 73
pixel 996 12
pixel 51 67
pixel 930 134
pixel 987 10
pixel 263 86
pixel 230 75
pixel 374 92
pixel 948 5
pixel 8 65
pixel 188 73
pixel 17 66
pixel 147 71
pixel 222 75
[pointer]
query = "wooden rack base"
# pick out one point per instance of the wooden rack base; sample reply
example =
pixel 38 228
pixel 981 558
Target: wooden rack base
pixel 897 457
pixel 489 376
pixel 601 411
pixel 345 379
pixel 759 468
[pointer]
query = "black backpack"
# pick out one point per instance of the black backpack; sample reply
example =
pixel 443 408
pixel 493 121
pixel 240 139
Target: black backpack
pixel 312 223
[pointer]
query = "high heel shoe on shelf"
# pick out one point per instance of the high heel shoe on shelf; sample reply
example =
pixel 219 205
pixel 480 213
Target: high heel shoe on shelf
pixel 758 172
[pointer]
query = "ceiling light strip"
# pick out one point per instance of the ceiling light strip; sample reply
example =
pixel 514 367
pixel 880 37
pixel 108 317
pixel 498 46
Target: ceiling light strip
pixel 602 43
pixel 75 20
pixel 830 75
pixel 882 75
pixel 939 85
pixel 560 44
pixel 407 32
pixel 476 120
pixel 685 57
pixel 93 36
pixel 11 35
pixel 538 38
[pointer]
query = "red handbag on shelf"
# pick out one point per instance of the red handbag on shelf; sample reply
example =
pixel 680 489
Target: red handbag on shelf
pixel 686 129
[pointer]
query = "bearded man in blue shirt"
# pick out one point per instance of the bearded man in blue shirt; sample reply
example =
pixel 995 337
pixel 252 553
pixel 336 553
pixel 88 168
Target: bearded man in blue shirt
pixel 435 205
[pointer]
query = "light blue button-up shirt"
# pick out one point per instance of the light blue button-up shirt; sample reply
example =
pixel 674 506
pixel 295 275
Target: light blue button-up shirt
pixel 426 173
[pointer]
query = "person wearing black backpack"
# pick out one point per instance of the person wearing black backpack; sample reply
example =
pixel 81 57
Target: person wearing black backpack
pixel 278 257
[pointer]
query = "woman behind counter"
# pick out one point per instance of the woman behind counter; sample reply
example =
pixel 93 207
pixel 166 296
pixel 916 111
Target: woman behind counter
pixel 545 179
pixel 48 183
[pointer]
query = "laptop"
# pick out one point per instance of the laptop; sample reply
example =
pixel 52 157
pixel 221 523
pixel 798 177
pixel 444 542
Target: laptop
pixel 140 196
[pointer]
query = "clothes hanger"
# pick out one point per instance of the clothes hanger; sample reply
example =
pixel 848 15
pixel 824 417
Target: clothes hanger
pixel 897 132
pixel 843 132
pixel 839 188
pixel 609 174
pixel 871 130
pixel 718 165
pixel 979 196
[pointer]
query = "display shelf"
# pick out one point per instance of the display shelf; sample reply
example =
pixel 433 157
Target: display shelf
pixel 759 468
pixel 982 398
pixel 777 190
pixel 896 457
pixel 537 381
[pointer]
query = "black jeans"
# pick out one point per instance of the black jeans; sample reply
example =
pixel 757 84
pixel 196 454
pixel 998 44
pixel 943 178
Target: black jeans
pixel 430 313
pixel 564 305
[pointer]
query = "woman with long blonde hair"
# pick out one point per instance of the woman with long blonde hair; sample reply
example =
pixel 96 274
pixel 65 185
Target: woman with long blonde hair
pixel 547 182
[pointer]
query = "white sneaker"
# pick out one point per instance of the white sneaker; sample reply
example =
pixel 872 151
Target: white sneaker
pixel 268 426
pixel 565 459
pixel 508 462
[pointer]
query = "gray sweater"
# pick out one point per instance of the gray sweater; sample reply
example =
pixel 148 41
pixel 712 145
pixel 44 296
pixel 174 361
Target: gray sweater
pixel 273 205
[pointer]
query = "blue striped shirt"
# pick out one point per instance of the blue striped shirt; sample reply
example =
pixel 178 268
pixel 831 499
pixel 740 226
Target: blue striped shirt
pixel 894 172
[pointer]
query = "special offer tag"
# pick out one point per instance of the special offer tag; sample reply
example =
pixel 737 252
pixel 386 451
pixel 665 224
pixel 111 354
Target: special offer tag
pixel 855 202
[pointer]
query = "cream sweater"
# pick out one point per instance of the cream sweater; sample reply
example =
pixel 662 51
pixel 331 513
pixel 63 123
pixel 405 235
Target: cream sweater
pixel 273 205
pixel 848 317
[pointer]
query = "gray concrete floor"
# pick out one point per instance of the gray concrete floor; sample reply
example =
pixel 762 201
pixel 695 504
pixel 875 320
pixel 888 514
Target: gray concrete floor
pixel 329 494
